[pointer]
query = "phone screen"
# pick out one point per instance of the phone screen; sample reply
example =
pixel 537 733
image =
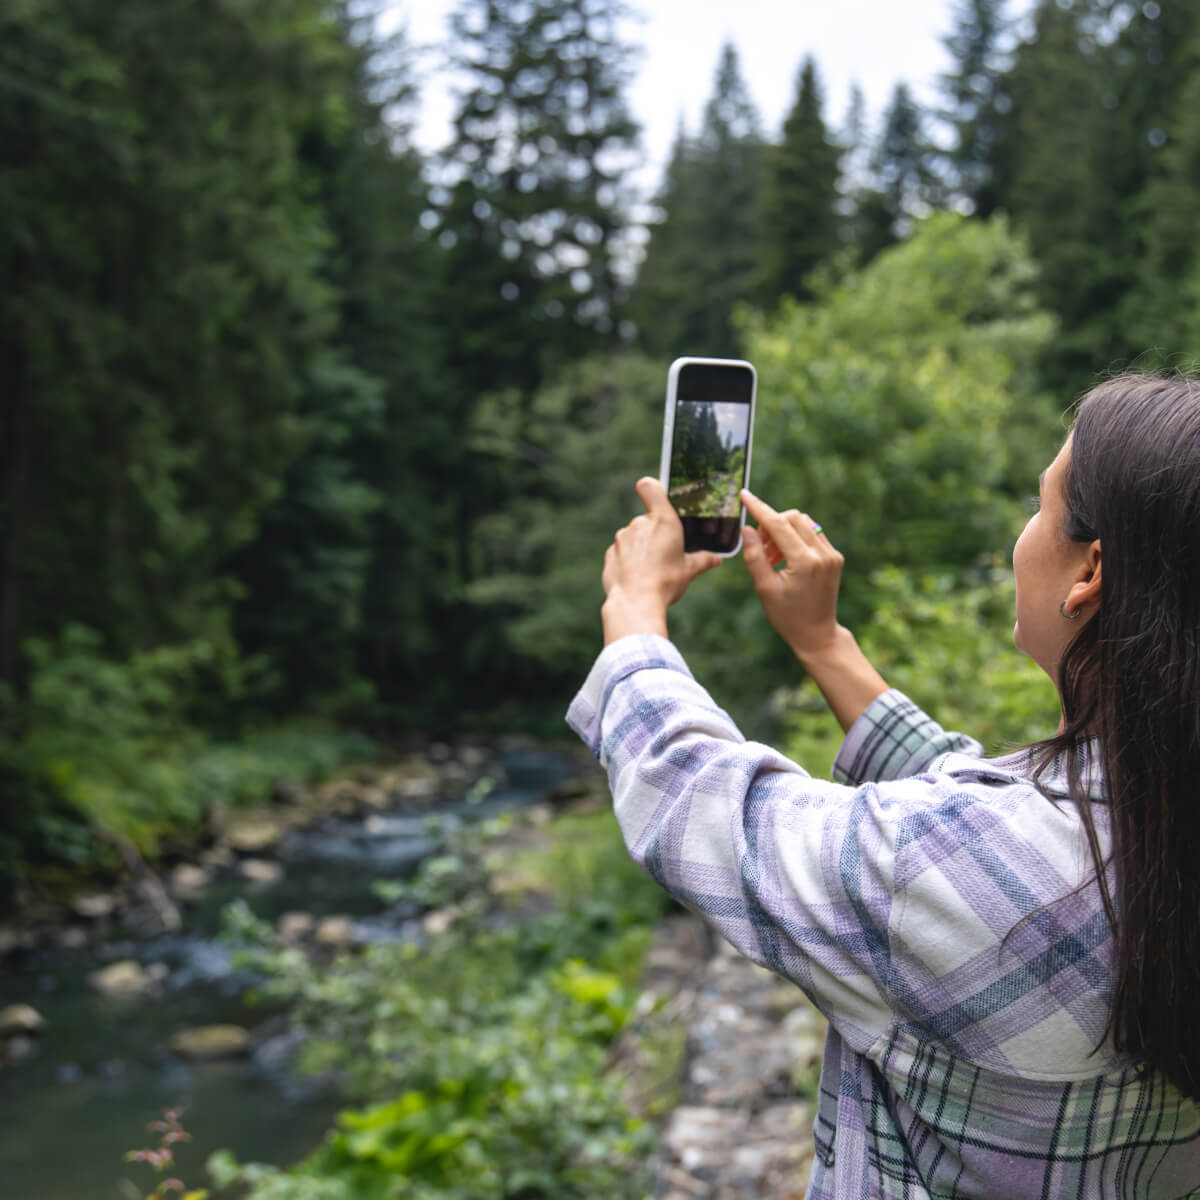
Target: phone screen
pixel 708 452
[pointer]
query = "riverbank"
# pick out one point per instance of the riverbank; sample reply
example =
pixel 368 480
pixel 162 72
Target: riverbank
pixel 519 984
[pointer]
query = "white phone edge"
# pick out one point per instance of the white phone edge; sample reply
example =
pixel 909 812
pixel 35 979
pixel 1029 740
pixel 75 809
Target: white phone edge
pixel 664 466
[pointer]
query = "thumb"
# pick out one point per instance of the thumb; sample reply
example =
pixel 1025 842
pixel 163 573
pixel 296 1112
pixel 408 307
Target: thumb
pixel 654 496
pixel 761 571
pixel 700 561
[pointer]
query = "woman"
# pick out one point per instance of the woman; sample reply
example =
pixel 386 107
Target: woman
pixel 1007 950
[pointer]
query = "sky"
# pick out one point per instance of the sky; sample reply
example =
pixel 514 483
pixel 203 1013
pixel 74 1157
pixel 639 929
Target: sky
pixel 874 43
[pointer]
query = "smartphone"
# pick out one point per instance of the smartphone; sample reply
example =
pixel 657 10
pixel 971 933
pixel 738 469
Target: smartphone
pixel 707 430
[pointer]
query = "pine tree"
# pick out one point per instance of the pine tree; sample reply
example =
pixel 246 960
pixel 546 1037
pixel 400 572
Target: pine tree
pixel 978 101
pixel 800 219
pixel 905 182
pixel 543 141
pixel 701 259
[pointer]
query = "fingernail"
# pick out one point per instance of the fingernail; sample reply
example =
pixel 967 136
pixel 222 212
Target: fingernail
pixel 748 492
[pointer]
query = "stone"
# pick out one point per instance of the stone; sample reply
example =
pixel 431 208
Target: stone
pixel 295 927
pixel 124 978
pixel 336 932
pixel 289 792
pixel 439 752
pixel 73 937
pixel 19 1048
pixel 376 798
pixel 439 920
pixel 189 881
pixel 260 872
pixel 253 837
pixel 472 756
pixel 94 907
pixel 341 796
pixel 21 1019
pixel 211 1043
pixel 10 939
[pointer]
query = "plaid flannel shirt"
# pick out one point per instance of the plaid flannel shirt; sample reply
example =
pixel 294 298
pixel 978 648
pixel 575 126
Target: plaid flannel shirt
pixel 930 905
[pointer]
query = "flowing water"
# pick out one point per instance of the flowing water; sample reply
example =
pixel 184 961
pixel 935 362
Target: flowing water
pixel 102 1072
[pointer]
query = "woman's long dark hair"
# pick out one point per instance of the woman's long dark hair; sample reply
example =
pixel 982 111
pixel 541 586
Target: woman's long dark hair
pixel 1132 677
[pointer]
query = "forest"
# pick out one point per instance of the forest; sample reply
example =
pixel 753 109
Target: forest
pixel 311 441
pixel 294 416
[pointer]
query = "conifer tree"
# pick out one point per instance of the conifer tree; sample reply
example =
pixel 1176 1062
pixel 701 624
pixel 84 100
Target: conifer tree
pixel 800 219
pixel 977 101
pixel 701 259
pixel 905 181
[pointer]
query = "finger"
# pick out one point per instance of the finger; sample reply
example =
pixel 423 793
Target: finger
pixel 778 526
pixel 757 563
pixel 700 561
pixel 654 496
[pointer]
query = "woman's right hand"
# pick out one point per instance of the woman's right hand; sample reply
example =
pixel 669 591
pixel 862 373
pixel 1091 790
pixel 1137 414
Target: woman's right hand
pixel 799 598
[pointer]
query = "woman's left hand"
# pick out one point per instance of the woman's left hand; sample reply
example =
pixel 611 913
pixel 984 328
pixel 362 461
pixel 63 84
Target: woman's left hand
pixel 646 569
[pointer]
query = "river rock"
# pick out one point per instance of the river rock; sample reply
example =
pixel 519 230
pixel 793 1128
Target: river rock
pixel 211 1042
pixel 295 927
pixel 336 932
pixel 260 872
pixel 253 837
pixel 343 796
pixel 189 881
pixel 125 978
pixel 376 798
pixel 472 756
pixel 73 937
pixel 19 1048
pixel 21 1019
pixel 289 792
pixel 94 907
pixel 440 919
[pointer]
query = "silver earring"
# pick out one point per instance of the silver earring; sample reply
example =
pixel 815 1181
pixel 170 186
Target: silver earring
pixel 1069 616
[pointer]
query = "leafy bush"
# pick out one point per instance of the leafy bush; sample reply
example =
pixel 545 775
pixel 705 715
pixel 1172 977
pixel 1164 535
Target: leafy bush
pixel 947 643
pixel 481 1058
pixel 113 748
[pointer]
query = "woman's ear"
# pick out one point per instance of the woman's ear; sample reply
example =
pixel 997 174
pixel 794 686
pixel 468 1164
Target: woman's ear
pixel 1085 590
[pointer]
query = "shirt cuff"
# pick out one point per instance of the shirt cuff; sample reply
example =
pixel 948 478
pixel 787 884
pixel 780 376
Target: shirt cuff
pixel 893 739
pixel 636 652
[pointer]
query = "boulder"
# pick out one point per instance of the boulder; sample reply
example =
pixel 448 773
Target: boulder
pixel 296 927
pixel 336 932
pixel 189 881
pixel 94 907
pixel 18 1049
pixel 253 837
pixel 18 1019
pixel 375 798
pixel 73 937
pixel 210 1043
pixel 342 796
pixel 260 872
pixel 124 978
pixel 289 792
pixel 440 919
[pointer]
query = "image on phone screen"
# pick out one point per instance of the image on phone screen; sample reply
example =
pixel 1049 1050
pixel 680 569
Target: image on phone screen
pixel 708 453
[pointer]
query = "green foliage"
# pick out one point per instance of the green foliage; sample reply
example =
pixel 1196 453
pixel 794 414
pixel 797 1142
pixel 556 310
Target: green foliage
pixel 112 746
pixel 946 642
pixel 480 1059
pixel 900 410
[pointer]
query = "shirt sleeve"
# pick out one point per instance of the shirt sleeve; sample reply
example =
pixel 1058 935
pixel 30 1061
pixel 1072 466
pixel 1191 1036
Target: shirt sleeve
pixel 894 739
pixel 796 872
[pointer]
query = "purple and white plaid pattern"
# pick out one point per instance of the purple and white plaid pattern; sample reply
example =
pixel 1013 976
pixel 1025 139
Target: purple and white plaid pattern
pixel 935 906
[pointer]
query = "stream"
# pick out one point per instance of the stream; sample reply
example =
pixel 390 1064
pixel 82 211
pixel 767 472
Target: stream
pixel 103 1071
